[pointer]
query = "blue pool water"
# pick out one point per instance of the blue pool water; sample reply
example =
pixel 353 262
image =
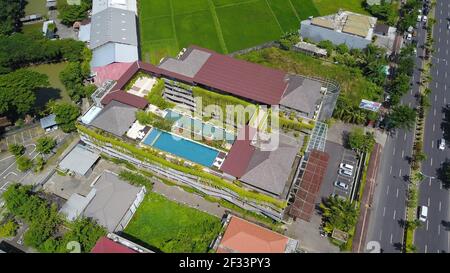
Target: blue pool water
pixel 195 124
pixel 181 147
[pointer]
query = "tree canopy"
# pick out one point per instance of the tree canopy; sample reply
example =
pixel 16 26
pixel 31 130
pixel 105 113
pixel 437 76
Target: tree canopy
pixel 17 96
pixel 69 14
pixel 45 145
pixel 16 149
pixel 402 117
pixel 66 115
pixel 338 214
pixel 360 141
pixel 19 50
pixel 10 14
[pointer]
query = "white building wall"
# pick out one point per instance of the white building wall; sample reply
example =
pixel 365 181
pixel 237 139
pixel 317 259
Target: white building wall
pixel 126 53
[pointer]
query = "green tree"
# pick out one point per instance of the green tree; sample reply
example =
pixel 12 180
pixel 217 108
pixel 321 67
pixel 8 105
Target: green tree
pixel 342 49
pixel 17 96
pixel 69 14
pixel 45 145
pixel 66 115
pixel 288 40
pixel 85 231
pixel 338 213
pixel 72 76
pixel 16 149
pixel 39 164
pixel 444 174
pixel 24 163
pixel 10 14
pixel 327 45
pixel 360 141
pixel 402 117
pixel 8 229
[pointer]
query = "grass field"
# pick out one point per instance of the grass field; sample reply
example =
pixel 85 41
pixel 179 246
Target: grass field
pixel 331 6
pixel 353 85
pixel 32 28
pixel 56 91
pixel 225 26
pixel 36 6
pixel 172 227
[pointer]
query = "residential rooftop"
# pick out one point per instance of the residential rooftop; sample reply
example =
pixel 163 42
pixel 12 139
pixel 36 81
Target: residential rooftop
pixel 347 22
pixel 79 160
pixel 241 236
pixel 116 118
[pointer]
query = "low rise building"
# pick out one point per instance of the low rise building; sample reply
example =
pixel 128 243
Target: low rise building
pixel 344 27
pixel 242 236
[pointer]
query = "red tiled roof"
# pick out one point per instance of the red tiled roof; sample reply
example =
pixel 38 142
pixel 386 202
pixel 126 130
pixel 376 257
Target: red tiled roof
pixel 241 152
pixel 242 236
pixel 125 98
pixel 111 71
pixel 105 245
pixel 304 202
pixel 242 78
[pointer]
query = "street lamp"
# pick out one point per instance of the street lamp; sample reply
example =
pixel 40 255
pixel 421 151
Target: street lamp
pixel 432 177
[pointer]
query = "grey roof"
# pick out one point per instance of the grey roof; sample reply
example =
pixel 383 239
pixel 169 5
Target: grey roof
pixel 113 198
pixel 302 94
pixel 115 118
pixel 48 121
pixel 79 160
pixel 76 204
pixel 188 65
pixel 113 25
pixel 270 170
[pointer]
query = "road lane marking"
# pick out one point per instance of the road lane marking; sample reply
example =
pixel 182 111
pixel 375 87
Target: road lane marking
pixel 399 172
pixel 404 138
pixel 391 238
pixel 381 232
pixel 429 183
pixel 8 157
pixel 428 202
pixel 432 144
pixel 440 205
pixel 403 153
pixel 393 152
pixel 427 226
pixel 434 128
pixel 390 170
pixel 435 97
pixel 387 191
pixel 397 193
pixel 395 212
pixel 426 248
pixel 434 111
pixel 439 229
pixel 431 161
pixel 384 211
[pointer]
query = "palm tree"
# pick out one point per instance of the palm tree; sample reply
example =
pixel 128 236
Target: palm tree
pixel 338 213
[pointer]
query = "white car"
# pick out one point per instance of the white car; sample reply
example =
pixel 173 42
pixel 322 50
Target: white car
pixel 409 37
pixel 345 172
pixel 346 167
pixel 442 144
pixel 419 18
pixel 423 213
pixel 341 185
pixel 424 19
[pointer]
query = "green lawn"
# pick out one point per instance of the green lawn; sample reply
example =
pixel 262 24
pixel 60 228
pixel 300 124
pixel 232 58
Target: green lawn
pixel 36 6
pixel 225 26
pixel 172 227
pixel 56 91
pixel 32 28
pixel 353 85
pixel 331 6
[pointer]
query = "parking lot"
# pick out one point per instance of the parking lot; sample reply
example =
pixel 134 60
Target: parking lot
pixel 21 137
pixel 338 154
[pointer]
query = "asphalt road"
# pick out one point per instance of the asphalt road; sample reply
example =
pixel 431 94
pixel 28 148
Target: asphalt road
pixel 433 237
pixel 389 205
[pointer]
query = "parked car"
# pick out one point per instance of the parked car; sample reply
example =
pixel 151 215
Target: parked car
pixel 442 144
pixel 346 167
pixel 424 19
pixel 419 18
pixel 423 213
pixel 345 172
pixel 409 37
pixel 341 185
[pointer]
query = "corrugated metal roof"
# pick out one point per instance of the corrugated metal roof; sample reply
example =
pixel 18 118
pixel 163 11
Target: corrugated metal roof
pixel 48 121
pixel 79 160
pixel 113 25
pixel 242 78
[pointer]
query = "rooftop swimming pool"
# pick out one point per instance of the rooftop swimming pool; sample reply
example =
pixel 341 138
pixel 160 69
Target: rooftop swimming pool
pixel 196 125
pixel 181 147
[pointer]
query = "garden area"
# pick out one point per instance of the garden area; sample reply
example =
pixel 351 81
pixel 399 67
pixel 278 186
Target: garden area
pixel 172 227
pixel 56 90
